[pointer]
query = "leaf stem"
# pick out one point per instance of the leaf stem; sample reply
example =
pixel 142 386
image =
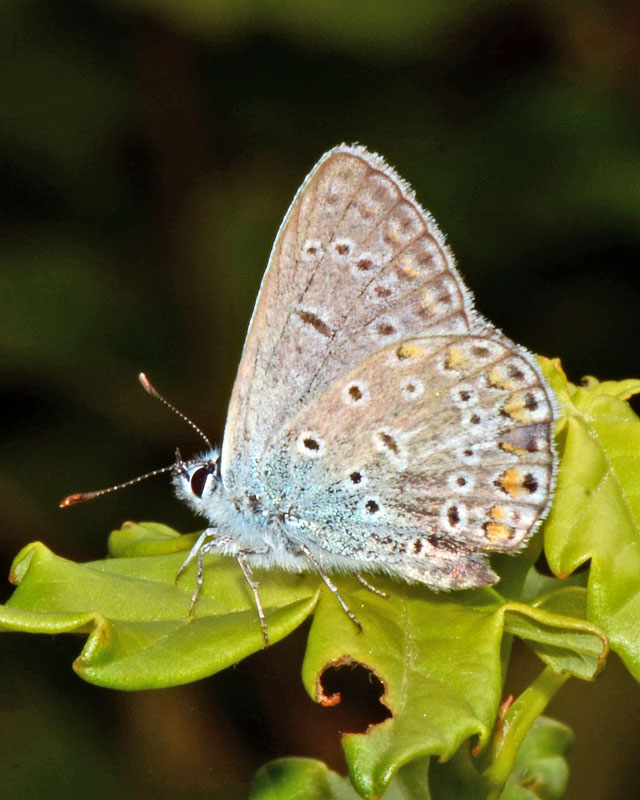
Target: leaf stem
pixel 516 724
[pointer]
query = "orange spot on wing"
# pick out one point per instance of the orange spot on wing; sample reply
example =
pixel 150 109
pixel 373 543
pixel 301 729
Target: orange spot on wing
pixel 499 379
pixel 406 270
pixel 456 359
pixel 497 532
pixel 513 448
pixel 405 351
pixel 515 407
pixel 512 482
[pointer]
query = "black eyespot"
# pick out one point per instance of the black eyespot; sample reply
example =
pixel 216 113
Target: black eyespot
pixel 356 477
pixel 372 507
pixel 199 480
pixel 530 402
pixel 311 444
pixel 453 515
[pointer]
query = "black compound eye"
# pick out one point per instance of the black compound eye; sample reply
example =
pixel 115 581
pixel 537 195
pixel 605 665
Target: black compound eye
pixel 199 480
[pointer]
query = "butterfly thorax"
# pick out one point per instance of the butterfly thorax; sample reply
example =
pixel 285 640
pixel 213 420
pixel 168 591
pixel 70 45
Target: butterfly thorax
pixel 251 523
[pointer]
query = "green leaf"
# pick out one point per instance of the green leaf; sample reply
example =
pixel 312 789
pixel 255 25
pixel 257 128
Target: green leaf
pixel 439 657
pixel 564 640
pixel 147 539
pixel 140 635
pixel 439 660
pixel 540 771
pixel 308 779
pixel 596 512
pixel 300 779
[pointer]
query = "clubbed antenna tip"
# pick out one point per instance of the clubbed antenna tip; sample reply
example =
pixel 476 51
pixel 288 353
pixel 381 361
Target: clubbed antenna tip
pixel 80 497
pixel 151 389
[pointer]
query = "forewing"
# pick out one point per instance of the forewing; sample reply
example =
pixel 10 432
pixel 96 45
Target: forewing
pixel 422 459
pixel 357 265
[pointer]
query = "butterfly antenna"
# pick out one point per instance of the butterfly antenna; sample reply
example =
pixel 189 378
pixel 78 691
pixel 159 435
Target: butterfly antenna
pixel 151 389
pixel 72 499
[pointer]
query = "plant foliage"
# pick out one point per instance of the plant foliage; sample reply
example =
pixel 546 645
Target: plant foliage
pixel 441 658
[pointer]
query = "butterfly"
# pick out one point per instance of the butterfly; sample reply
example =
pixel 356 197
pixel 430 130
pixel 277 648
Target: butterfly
pixel 378 423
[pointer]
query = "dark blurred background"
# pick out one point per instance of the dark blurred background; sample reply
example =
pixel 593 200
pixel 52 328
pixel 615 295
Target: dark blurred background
pixel 148 151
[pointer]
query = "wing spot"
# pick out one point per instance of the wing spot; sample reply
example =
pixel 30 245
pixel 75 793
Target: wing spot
pixel 405 351
pixel 515 484
pixel 411 388
pixel 313 248
pixel 310 445
pixel 417 546
pixel 372 507
pixel 385 329
pixel 455 359
pixel 530 439
pixel 356 477
pixel 453 515
pixel 464 395
pixel 364 264
pixel 530 402
pixel 355 394
pixel 309 318
pixel 388 442
pixel 460 482
pixel 405 271
pixel 497 532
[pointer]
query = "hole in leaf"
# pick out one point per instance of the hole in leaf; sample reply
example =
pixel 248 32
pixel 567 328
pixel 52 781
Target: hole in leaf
pixel 354 691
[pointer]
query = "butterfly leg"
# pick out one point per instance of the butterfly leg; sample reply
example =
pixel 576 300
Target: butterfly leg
pixel 246 570
pixel 372 588
pixel 194 552
pixel 204 544
pixel 331 585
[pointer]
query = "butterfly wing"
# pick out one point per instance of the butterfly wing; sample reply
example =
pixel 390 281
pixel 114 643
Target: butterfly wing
pixel 357 265
pixel 442 454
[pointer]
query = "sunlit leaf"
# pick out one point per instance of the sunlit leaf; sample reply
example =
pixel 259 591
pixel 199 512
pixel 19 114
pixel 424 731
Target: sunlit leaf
pixel 595 516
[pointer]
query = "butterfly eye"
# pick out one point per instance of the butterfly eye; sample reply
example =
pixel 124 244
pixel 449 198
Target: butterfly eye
pixel 199 480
